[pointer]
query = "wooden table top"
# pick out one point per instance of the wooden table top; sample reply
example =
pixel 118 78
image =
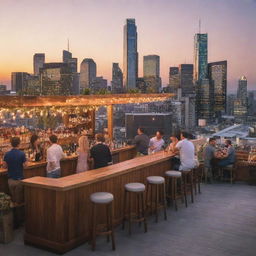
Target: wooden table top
pixel 88 177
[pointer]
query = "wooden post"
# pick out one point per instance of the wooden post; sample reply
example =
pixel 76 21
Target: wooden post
pixel 110 121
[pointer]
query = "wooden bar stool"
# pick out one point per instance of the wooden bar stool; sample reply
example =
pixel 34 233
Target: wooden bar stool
pixel 106 199
pixel 134 191
pixel 187 178
pixel 197 179
pixel 157 195
pixel 173 191
pixel 230 169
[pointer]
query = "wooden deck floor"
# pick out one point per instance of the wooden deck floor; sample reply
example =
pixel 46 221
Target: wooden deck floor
pixel 221 222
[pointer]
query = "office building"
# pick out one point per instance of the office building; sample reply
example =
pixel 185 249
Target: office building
pixel 130 55
pixel 218 78
pixel 56 79
pixel 151 73
pixel 33 86
pixel 174 79
pixel 38 60
pixel 241 103
pixel 98 84
pixel 205 101
pixel 117 79
pixel 200 56
pixel 19 81
pixel 88 71
pixel 72 62
pixel 186 79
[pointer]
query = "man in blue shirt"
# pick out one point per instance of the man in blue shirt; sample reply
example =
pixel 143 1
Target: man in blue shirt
pixel 14 161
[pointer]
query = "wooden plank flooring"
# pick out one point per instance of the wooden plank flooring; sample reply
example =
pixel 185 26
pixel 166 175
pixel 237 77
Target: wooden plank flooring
pixel 221 222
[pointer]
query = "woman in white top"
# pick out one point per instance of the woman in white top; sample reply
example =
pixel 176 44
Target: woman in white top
pixel 83 154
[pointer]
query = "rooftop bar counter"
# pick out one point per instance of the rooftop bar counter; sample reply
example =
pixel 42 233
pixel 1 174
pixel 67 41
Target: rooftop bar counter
pixel 68 165
pixel 58 211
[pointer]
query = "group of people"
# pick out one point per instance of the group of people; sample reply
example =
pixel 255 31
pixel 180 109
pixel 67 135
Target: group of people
pixel 15 160
pixel 182 148
pixel 215 158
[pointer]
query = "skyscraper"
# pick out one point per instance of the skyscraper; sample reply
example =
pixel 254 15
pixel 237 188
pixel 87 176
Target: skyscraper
pixel 218 78
pixel 88 72
pixel 174 79
pixel 242 90
pixel 19 81
pixel 117 79
pixel 200 56
pixel 186 79
pixel 56 79
pixel 151 71
pixel 241 103
pixel 72 62
pixel 130 58
pixel 38 60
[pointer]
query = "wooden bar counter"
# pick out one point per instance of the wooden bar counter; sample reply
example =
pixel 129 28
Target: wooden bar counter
pixel 68 166
pixel 58 211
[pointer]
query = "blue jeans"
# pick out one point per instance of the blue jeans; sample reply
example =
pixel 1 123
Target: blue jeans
pixel 54 174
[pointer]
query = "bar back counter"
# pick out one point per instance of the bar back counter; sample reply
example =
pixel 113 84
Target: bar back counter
pixel 58 211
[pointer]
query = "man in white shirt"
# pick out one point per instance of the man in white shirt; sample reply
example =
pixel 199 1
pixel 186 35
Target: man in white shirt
pixel 156 143
pixel 186 151
pixel 54 155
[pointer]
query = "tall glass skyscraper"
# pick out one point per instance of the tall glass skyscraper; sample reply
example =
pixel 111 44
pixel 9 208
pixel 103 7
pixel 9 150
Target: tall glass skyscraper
pixel 186 79
pixel 200 56
pixel 117 79
pixel 88 72
pixel 242 90
pixel 130 60
pixel 218 79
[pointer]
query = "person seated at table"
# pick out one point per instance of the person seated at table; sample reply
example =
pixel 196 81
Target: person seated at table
pixel 36 147
pixel 83 153
pixel 141 141
pixel 229 156
pixel 209 155
pixel 100 152
pixel 186 151
pixel 53 156
pixel 175 159
pixel 15 161
pixel 156 143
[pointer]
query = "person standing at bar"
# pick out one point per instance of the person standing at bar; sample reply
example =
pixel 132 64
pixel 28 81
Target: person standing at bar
pixel 156 143
pixel 209 154
pixel 83 153
pixel 53 156
pixel 142 142
pixel 36 147
pixel 186 151
pixel 100 152
pixel 14 161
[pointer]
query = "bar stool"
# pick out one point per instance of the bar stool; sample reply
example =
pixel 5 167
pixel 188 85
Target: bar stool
pixel 197 178
pixel 173 177
pixel 229 168
pixel 187 178
pixel 135 190
pixel 106 199
pixel 156 191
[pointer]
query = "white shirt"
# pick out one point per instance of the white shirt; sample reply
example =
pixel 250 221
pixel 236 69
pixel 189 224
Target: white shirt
pixel 157 144
pixel 54 155
pixel 187 154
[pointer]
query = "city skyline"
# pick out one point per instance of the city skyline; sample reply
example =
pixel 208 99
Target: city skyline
pixel 230 34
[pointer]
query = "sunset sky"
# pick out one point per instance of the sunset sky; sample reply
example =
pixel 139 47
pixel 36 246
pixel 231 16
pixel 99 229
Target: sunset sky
pixel 95 30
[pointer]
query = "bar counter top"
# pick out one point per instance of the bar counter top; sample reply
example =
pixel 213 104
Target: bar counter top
pixel 85 178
